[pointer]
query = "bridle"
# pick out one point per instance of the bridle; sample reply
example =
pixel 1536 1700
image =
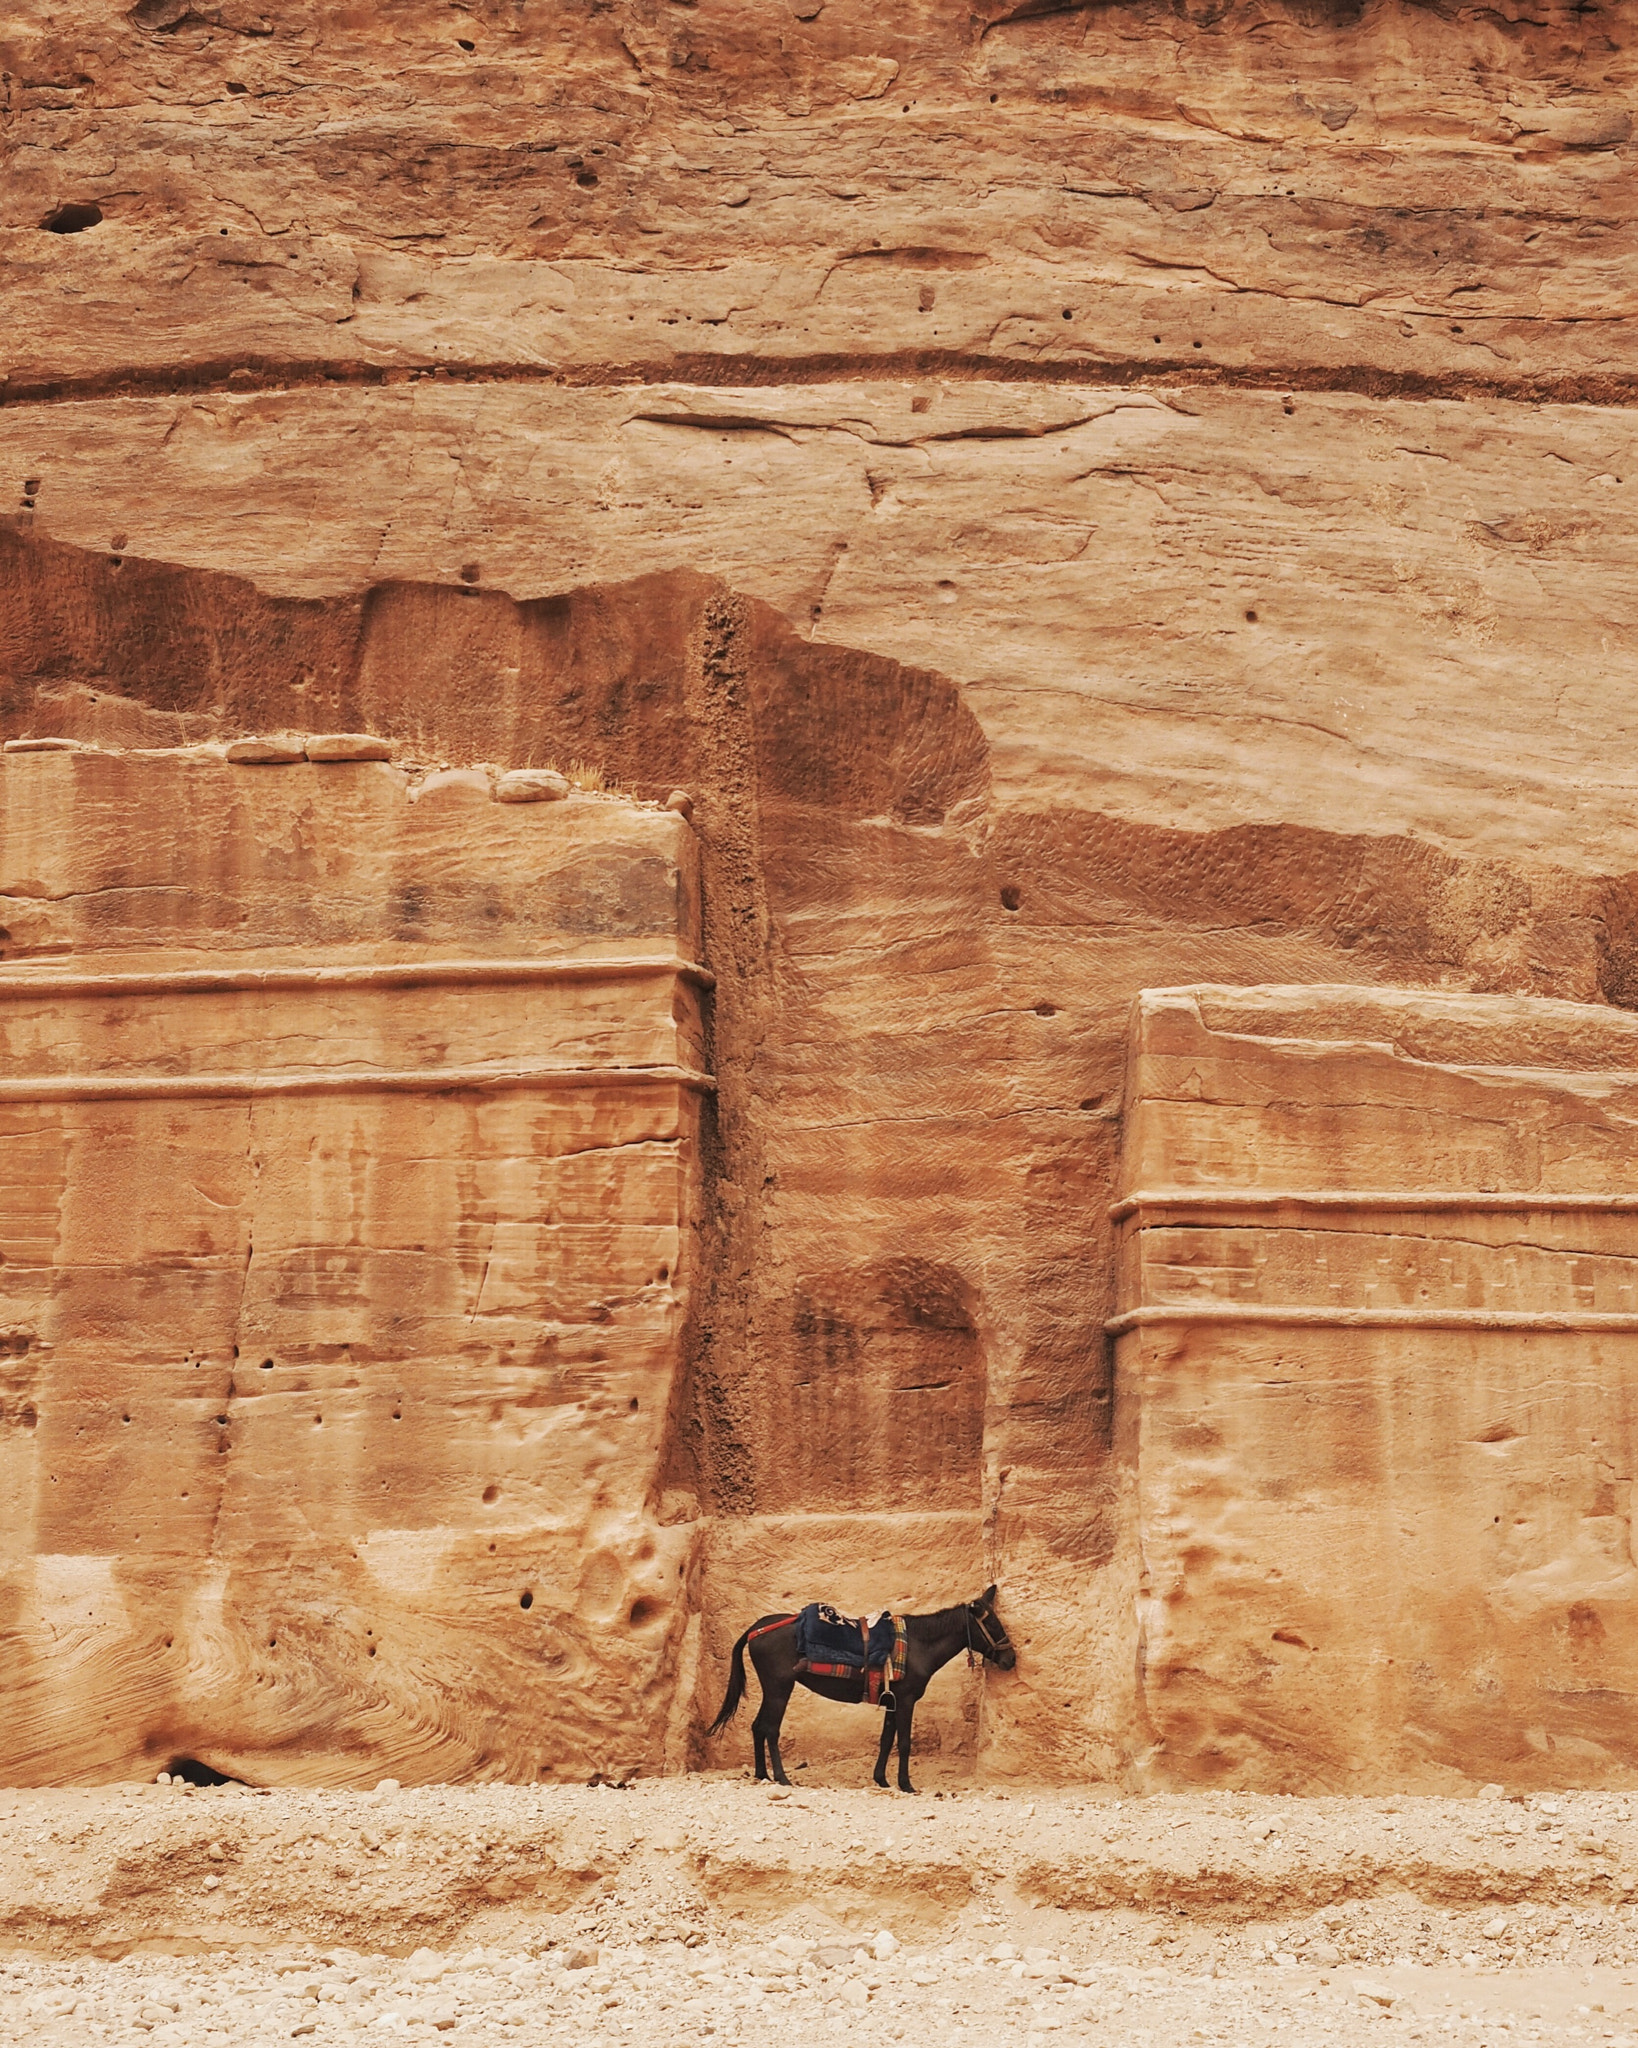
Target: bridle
pixel 991 1649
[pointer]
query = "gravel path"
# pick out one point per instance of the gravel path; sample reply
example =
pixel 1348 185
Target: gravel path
pixel 787 1988
pixel 699 1913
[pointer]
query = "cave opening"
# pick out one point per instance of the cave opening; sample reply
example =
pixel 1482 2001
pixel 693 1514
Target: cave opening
pixel 188 1770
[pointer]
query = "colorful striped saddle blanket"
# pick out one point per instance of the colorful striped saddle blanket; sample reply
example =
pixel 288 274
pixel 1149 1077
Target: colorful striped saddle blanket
pixel 868 1647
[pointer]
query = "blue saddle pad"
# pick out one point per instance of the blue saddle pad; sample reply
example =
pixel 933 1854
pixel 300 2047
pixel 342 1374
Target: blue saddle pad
pixel 825 1637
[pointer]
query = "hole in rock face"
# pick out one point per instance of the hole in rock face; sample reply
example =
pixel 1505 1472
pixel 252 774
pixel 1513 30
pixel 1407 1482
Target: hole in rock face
pixel 526 1600
pixel 192 1772
pixel 643 1612
pixel 73 218
pixel 1011 896
pixel 1046 1009
pixel 585 179
pixel 633 1404
pixel 491 1494
pixel 1251 618
pixel 236 88
pixel 465 45
pixel 470 572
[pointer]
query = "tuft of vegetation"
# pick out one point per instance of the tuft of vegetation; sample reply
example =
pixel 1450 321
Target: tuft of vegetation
pixel 587 775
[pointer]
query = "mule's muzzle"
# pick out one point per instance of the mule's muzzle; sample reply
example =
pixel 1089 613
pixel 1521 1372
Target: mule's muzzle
pixel 1006 1659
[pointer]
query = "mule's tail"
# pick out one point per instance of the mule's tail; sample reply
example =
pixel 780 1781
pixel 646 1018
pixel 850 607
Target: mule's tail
pixel 736 1688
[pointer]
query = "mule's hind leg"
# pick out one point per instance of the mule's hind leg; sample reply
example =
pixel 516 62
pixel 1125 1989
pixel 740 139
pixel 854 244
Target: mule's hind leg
pixel 766 1729
pixel 886 1749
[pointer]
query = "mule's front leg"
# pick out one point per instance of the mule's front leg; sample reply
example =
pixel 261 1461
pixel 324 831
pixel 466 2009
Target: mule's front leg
pixel 886 1749
pixel 778 1760
pixel 906 1711
pixel 761 1752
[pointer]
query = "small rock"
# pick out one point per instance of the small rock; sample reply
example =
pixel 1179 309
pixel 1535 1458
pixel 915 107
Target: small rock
pixel 885 1946
pixel 271 753
pixel 681 802
pixel 855 1993
pixel 1325 1954
pixel 347 746
pixel 580 1959
pixel 386 1785
pixel 211 1883
pixel 1490 1792
pixel 532 786
pixel 1493 1930
pixel 216 1853
pixel 1375 1994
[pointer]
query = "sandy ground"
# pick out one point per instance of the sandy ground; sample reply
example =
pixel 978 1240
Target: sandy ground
pixel 713 1911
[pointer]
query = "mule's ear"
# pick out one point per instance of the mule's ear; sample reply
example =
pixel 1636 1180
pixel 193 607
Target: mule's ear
pixel 989 1595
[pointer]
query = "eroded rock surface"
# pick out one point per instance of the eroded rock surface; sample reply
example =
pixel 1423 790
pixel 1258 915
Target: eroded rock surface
pixel 350 1195
pixel 1081 499
pixel 1380 1321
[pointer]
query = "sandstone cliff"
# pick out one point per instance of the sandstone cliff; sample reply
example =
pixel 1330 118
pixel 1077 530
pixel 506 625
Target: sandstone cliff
pixel 1084 499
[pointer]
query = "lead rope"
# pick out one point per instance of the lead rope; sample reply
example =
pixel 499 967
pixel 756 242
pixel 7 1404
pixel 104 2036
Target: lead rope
pixel 967 1617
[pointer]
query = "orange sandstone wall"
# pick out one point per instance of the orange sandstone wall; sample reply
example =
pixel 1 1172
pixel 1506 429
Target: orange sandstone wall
pixel 1084 500
pixel 350 1173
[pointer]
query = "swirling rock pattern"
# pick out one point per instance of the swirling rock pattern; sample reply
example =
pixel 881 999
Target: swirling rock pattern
pixel 350 1176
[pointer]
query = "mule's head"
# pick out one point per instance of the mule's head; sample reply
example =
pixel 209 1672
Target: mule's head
pixel 988 1635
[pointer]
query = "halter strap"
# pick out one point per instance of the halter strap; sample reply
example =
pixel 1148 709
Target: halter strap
pixel 990 1643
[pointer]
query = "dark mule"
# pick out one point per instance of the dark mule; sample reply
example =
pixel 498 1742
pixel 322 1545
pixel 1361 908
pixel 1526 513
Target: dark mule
pixel 930 1641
